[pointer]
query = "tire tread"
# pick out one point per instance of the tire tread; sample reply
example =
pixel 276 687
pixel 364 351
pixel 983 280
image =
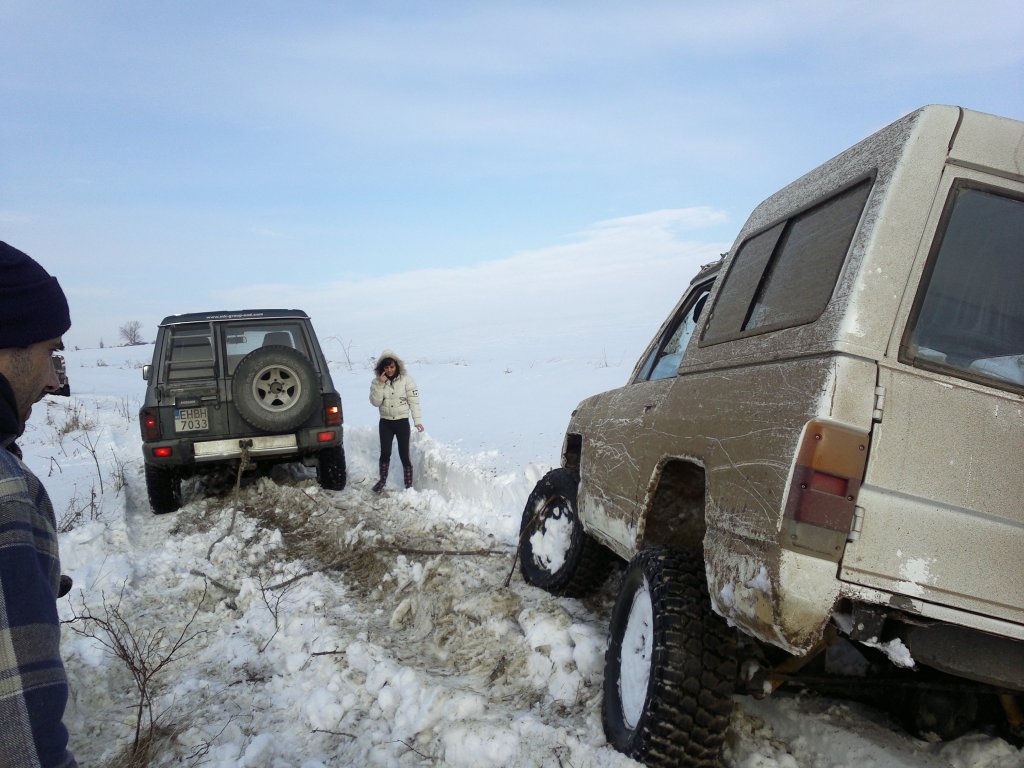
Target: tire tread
pixel 693 666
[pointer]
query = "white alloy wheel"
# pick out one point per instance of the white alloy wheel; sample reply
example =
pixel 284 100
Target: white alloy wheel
pixel 277 387
pixel 637 644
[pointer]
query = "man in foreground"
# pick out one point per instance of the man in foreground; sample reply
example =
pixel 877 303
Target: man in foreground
pixel 33 686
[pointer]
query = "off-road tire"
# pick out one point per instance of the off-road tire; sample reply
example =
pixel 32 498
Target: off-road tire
pixel 586 563
pixel 691 663
pixel 330 468
pixel 164 489
pixel 275 388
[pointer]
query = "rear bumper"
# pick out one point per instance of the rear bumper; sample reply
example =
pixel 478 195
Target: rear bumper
pixel 196 451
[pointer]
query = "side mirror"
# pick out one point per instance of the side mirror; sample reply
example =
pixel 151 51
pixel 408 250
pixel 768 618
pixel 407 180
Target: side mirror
pixel 146 371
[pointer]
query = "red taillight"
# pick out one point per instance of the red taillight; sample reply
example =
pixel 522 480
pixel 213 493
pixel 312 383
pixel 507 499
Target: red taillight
pixel 332 415
pixel 150 423
pixel 826 480
pixel 822 500
pixel 164 452
pixel 325 437
pixel 826 483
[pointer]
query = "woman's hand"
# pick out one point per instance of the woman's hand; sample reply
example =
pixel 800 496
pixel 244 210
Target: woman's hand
pixel 419 427
pixel 383 378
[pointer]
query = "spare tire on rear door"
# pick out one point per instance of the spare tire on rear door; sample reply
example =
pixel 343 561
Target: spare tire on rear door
pixel 275 388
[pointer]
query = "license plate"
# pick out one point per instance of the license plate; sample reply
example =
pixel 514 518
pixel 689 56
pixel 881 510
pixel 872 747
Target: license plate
pixel 190 420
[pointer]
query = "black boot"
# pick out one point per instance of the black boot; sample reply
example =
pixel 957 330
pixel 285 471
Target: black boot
pixel 379 485
pixel 408 476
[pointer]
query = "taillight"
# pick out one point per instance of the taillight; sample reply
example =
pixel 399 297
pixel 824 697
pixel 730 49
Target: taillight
pixel 149 420
pixel 822 499
pixel 332 411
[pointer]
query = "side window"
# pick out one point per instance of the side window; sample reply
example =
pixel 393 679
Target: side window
pixel 784 276
pixel 969 314
pixel 664 360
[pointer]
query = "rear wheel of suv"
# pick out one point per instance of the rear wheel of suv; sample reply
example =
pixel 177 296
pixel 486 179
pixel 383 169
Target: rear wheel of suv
pixel 670 667
pixel 274 388
pixel 330 468
pixel 555 553
pixel 164 489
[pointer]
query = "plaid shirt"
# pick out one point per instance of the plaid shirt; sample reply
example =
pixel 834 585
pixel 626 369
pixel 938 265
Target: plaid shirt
pixel 33 686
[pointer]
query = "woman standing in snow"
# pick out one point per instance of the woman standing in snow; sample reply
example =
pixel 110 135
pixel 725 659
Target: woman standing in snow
pixel 394 392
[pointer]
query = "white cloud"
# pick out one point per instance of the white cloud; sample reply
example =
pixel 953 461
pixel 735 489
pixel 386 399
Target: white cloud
pixel 620 277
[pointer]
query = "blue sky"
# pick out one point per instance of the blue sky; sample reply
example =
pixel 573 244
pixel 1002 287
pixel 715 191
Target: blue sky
pixel 163 158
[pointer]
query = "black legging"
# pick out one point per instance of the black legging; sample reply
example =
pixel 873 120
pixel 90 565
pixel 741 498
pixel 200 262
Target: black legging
pixel 390 429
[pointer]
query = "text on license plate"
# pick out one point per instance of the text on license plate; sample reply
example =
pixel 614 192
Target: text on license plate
pixel 190 419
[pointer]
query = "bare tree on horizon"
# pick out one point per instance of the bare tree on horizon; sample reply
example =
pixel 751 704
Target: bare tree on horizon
pixel 131 332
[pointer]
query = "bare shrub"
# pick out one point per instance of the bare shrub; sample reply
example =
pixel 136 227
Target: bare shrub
pixel 346 349
pixel 89 441
pixel 273 603
pixel 79 511
pixel 75 419
pixel 144 653
pixel 119 477
pixel 127 409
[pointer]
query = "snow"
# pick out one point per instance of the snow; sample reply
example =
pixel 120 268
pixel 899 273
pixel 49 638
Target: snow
pixel 551 543
pixel 326 629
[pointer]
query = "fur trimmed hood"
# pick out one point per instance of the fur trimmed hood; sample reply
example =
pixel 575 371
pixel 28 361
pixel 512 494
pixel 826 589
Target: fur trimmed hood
pixel 384 356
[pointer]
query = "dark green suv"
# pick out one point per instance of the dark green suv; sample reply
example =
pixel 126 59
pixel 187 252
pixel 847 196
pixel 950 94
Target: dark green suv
pixel 225 388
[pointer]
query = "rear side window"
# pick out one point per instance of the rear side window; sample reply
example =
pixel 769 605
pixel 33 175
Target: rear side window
pixel 969 314
pixel 191 354
pixel 784 276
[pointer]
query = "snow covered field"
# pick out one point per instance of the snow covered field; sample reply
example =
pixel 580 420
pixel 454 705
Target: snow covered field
pixel 335 629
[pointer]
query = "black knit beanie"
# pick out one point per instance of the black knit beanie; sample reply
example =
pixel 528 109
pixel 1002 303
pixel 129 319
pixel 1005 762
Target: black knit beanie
pixel 32 305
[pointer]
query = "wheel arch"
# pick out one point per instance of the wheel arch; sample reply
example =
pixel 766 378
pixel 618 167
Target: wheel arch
pixel 572 449
pixel 674 513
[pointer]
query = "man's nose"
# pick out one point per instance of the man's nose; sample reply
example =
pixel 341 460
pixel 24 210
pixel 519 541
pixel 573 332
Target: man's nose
pixel 52 382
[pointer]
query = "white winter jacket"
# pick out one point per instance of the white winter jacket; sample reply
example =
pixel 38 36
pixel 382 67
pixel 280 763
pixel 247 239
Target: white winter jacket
pixel 399 397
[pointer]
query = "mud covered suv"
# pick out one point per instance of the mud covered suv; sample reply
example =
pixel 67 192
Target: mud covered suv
pixel 60 368
pixel 231 387
pixel 821 447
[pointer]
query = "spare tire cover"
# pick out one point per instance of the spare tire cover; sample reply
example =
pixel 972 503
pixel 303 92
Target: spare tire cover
pixel 275 388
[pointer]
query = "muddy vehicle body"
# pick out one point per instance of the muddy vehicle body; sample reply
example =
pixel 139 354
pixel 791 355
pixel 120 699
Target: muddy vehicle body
pixel 824 439
pixel 229 389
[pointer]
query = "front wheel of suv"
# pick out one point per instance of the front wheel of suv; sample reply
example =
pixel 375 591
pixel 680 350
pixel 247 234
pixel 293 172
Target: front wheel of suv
pixel 555 553
pixel 164 489
pixel 330 468
pixel 275 389
pixel 670 667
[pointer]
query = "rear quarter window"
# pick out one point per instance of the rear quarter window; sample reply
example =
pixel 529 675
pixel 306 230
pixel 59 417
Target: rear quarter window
pixel 784 276
pixel 968 318
pixel 191 354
